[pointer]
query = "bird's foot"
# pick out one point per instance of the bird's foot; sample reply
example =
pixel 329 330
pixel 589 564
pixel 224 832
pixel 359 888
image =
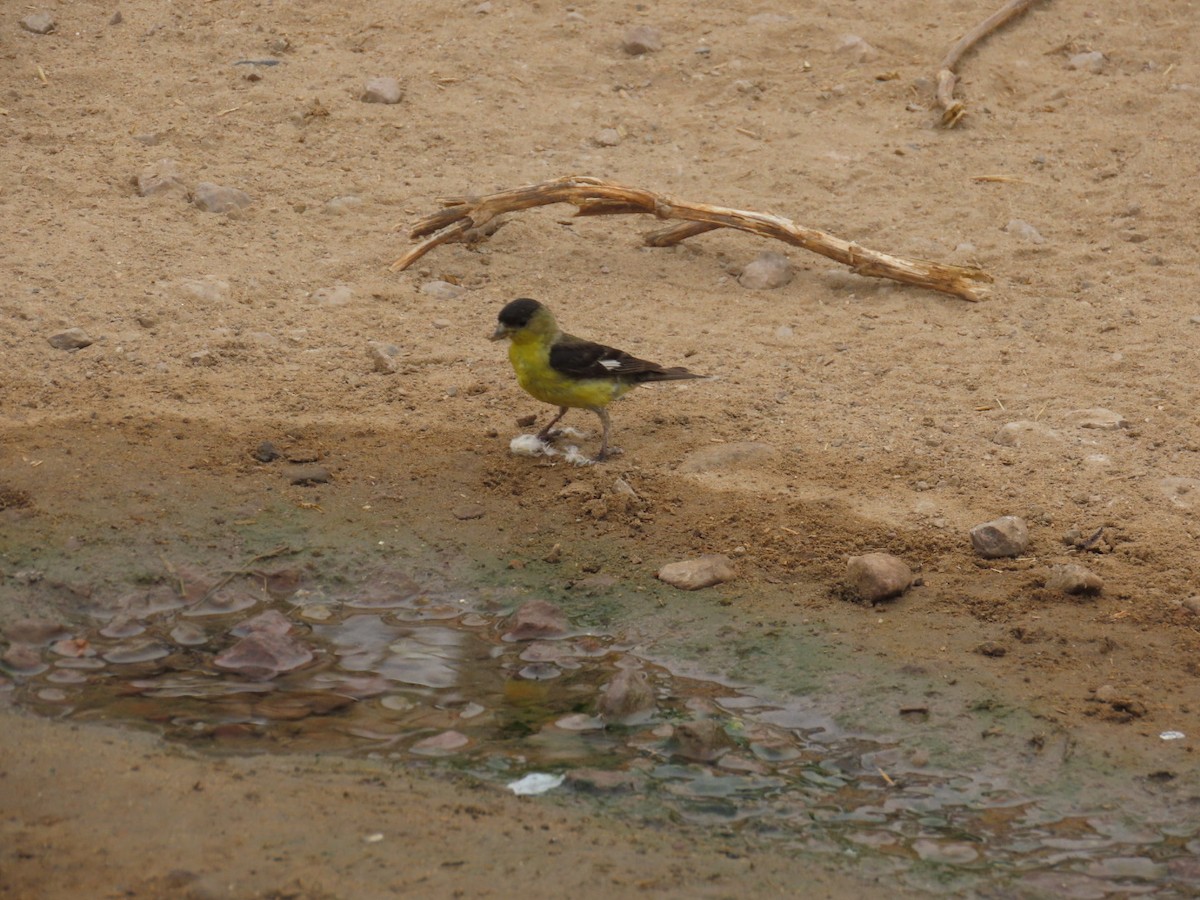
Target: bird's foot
pixel 607 453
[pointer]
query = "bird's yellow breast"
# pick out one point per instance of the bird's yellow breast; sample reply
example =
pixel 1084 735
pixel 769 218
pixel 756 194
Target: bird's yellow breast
pixel 531 361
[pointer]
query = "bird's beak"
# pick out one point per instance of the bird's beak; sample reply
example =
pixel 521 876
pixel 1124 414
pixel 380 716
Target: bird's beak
pixel 500 333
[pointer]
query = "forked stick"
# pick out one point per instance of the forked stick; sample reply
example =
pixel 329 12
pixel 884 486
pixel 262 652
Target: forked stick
pixel 597 197
pixel 947 76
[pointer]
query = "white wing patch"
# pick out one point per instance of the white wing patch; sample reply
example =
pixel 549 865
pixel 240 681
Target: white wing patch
pixel 610 363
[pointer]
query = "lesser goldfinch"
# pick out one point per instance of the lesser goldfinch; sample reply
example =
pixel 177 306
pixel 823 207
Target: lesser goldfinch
pixel 568 371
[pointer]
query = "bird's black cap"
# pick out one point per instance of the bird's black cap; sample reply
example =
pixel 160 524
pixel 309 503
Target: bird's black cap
pixel 518 313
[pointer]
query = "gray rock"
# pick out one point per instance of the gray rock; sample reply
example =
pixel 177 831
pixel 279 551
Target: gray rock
pixel 856 48
pixel 40 22
pixel 1191 605
pixel 442 290
pixel 1089 62
pixel 694 574
pixel 642 39
pixel 734 455
pixel 628 699
pixel 537 620
pixel 215 198
pixel 770 270
pixel 607 137
pixel 338 295
pixel 71 339
pixel 340 205
pixel 159 178
pixel 383 90
pixel 383 356
pixel 1098 417
pixel 468 511
pixel 309 475
pixel 878 576
pixel 1006 536
pixel 208 290
pixel 1073 578
pixel 1022 229
pixel 266 452
pixel 1022 432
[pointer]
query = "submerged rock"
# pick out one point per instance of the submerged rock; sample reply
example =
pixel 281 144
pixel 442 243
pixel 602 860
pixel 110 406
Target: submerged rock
pixel 701 741
pixel 262 655
pixel 628 698
pixel 537 619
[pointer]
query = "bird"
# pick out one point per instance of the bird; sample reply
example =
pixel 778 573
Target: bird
pixel 570 372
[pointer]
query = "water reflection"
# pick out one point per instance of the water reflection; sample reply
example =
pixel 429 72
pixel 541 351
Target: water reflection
pixel 271 663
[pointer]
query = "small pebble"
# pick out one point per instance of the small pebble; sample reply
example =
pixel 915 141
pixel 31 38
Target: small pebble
pixel 991 648
pixel 607 137
pixel 694 574
pixel 383 356
pixel 309 475
pixel 208 289
pixel 1089 62
pixel 266 452
pixel 215 198
pixel 71 339
pixel 878 576
pixel 160 177
pixel 442 290
pixel 1098 418
pixel 339 205
pixel 770 270
pixel 1073 578
pixel 1024 230
pixel 1022 432
pixel 642 39
pixel 40 22
pixel 337 295
pixel 856 48
pixel 537 619
pixel 468 511
pixel 383 90
pixel 1006 536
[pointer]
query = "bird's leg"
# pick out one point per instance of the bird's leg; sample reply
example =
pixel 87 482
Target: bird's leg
pixel 605 450
pixel 545 433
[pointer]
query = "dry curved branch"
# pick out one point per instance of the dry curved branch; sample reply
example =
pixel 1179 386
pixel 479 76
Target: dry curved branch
pixel 947 76
pixel 597 197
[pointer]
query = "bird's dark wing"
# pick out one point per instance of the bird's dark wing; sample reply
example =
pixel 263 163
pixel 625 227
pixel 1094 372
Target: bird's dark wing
pixel 577 358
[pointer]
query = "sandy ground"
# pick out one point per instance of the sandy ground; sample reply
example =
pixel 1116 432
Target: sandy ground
pixel 893 418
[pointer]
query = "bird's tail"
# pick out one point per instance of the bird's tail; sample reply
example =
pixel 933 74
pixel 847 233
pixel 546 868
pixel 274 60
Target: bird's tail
pixel 676 373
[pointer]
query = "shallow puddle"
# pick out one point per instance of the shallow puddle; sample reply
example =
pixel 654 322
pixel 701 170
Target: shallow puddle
pixel 393 669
